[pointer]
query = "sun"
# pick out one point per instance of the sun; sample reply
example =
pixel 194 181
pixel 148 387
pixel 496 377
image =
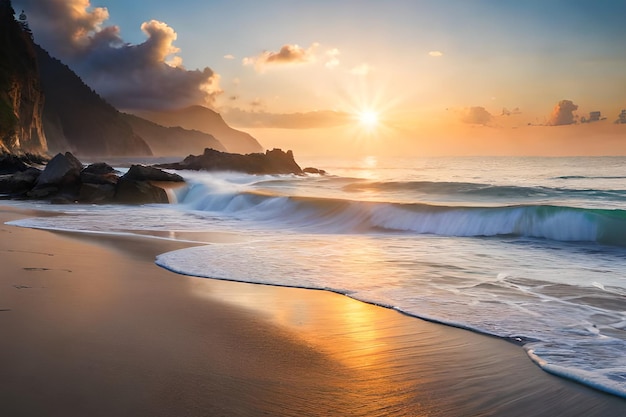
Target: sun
pixel 368 119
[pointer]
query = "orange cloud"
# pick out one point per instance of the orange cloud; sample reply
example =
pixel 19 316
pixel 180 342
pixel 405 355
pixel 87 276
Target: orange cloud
pixel 563 113
pixel 477 115
pixel 287 55
pixel 124 74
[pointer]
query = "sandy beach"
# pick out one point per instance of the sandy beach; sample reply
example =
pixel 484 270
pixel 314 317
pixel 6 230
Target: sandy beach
pixel 92 327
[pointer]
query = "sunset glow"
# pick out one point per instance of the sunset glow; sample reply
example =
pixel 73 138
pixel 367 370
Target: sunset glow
pixel 497 89
pixel 368 119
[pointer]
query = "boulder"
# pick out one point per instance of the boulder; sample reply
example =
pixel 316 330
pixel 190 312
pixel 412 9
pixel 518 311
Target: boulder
pixel 10 164
pixel 129 191
pixel 99 173
pixel 19 182
pixel 147 173
pixel 96 193
pixel 311 170
pixel 63 169
pixel 99 168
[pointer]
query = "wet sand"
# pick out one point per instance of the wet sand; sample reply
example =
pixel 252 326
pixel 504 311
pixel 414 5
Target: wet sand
pixel 90 326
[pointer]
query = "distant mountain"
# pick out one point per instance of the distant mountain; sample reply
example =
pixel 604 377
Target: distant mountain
pixel 172 141
pixel 46 108
pixel 77 119
pixel 208 121
pixel 21 98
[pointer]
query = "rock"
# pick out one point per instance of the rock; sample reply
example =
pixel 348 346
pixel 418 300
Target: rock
pixel 99 173
pixel 96 193
pixel 89 178
pixel 63 169
pixel 10 164
pixel 272 162
pixel 99 168
pixel 146 173
pixel 42 192
pixel 19 182
pixel 129 191
pixel 311 170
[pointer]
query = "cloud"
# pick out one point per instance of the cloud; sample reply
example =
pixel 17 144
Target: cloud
pixel 229 56
pixel 308 120
pixel 148 75
pixel 563 113
pixel 507 112
pixel 477 115
pixel 287 55
pixel 435 54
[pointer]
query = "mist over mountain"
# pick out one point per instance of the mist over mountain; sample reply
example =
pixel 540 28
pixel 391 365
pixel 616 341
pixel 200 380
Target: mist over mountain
pixel 172 141
pixel 77 119
pixel 208 121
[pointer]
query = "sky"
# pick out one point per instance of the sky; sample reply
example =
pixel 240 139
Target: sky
pixel 352 77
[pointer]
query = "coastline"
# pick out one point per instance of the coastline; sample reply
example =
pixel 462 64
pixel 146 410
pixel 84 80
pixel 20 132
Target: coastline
pixel 91 326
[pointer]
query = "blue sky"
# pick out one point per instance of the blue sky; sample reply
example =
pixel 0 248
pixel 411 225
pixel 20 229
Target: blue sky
pixel 423 66
pixel 562 47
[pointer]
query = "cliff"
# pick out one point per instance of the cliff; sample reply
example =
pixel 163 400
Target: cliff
pixel 21 98
pixel 208 121
pixel 77 119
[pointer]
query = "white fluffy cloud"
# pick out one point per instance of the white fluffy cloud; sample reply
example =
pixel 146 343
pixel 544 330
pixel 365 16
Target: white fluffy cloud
pixel 149 75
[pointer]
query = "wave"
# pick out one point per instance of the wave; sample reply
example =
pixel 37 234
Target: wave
pixel 584 177
pixel 335 215
pixel 485 190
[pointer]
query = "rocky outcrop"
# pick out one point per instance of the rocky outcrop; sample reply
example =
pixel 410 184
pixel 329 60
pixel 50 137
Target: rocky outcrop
pixel 138 186
pixel 146 173
pixel 208 121
pixel 64 180
pixel 275 161
pixel 21 97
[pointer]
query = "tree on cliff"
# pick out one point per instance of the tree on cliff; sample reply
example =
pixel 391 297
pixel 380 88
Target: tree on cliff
pixel 24 24
pixel 21 99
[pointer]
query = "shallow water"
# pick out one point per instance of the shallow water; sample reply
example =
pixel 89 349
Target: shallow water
pixel 528 249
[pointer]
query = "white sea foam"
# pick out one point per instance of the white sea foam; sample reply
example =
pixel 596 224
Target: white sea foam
pixel 524 250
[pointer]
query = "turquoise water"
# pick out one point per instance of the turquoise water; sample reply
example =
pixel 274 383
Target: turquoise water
pixel 528 249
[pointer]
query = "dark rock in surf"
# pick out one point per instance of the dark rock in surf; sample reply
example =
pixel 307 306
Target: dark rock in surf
pixel 65 181
pixel 19 183
pixel 61 176
pixel 99 173
pixel 99 168
pixel 146 173
pixel 275 161
pixel 62 169
pixel 311 170
pixel 136 187
pixel 129 191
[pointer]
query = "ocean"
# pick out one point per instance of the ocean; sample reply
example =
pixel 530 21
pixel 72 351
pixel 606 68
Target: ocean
pixel 532 250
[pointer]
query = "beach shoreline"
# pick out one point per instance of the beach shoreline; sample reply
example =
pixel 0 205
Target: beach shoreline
pixel 91 326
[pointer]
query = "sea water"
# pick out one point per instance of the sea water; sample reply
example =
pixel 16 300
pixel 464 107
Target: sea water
pixel 532 250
